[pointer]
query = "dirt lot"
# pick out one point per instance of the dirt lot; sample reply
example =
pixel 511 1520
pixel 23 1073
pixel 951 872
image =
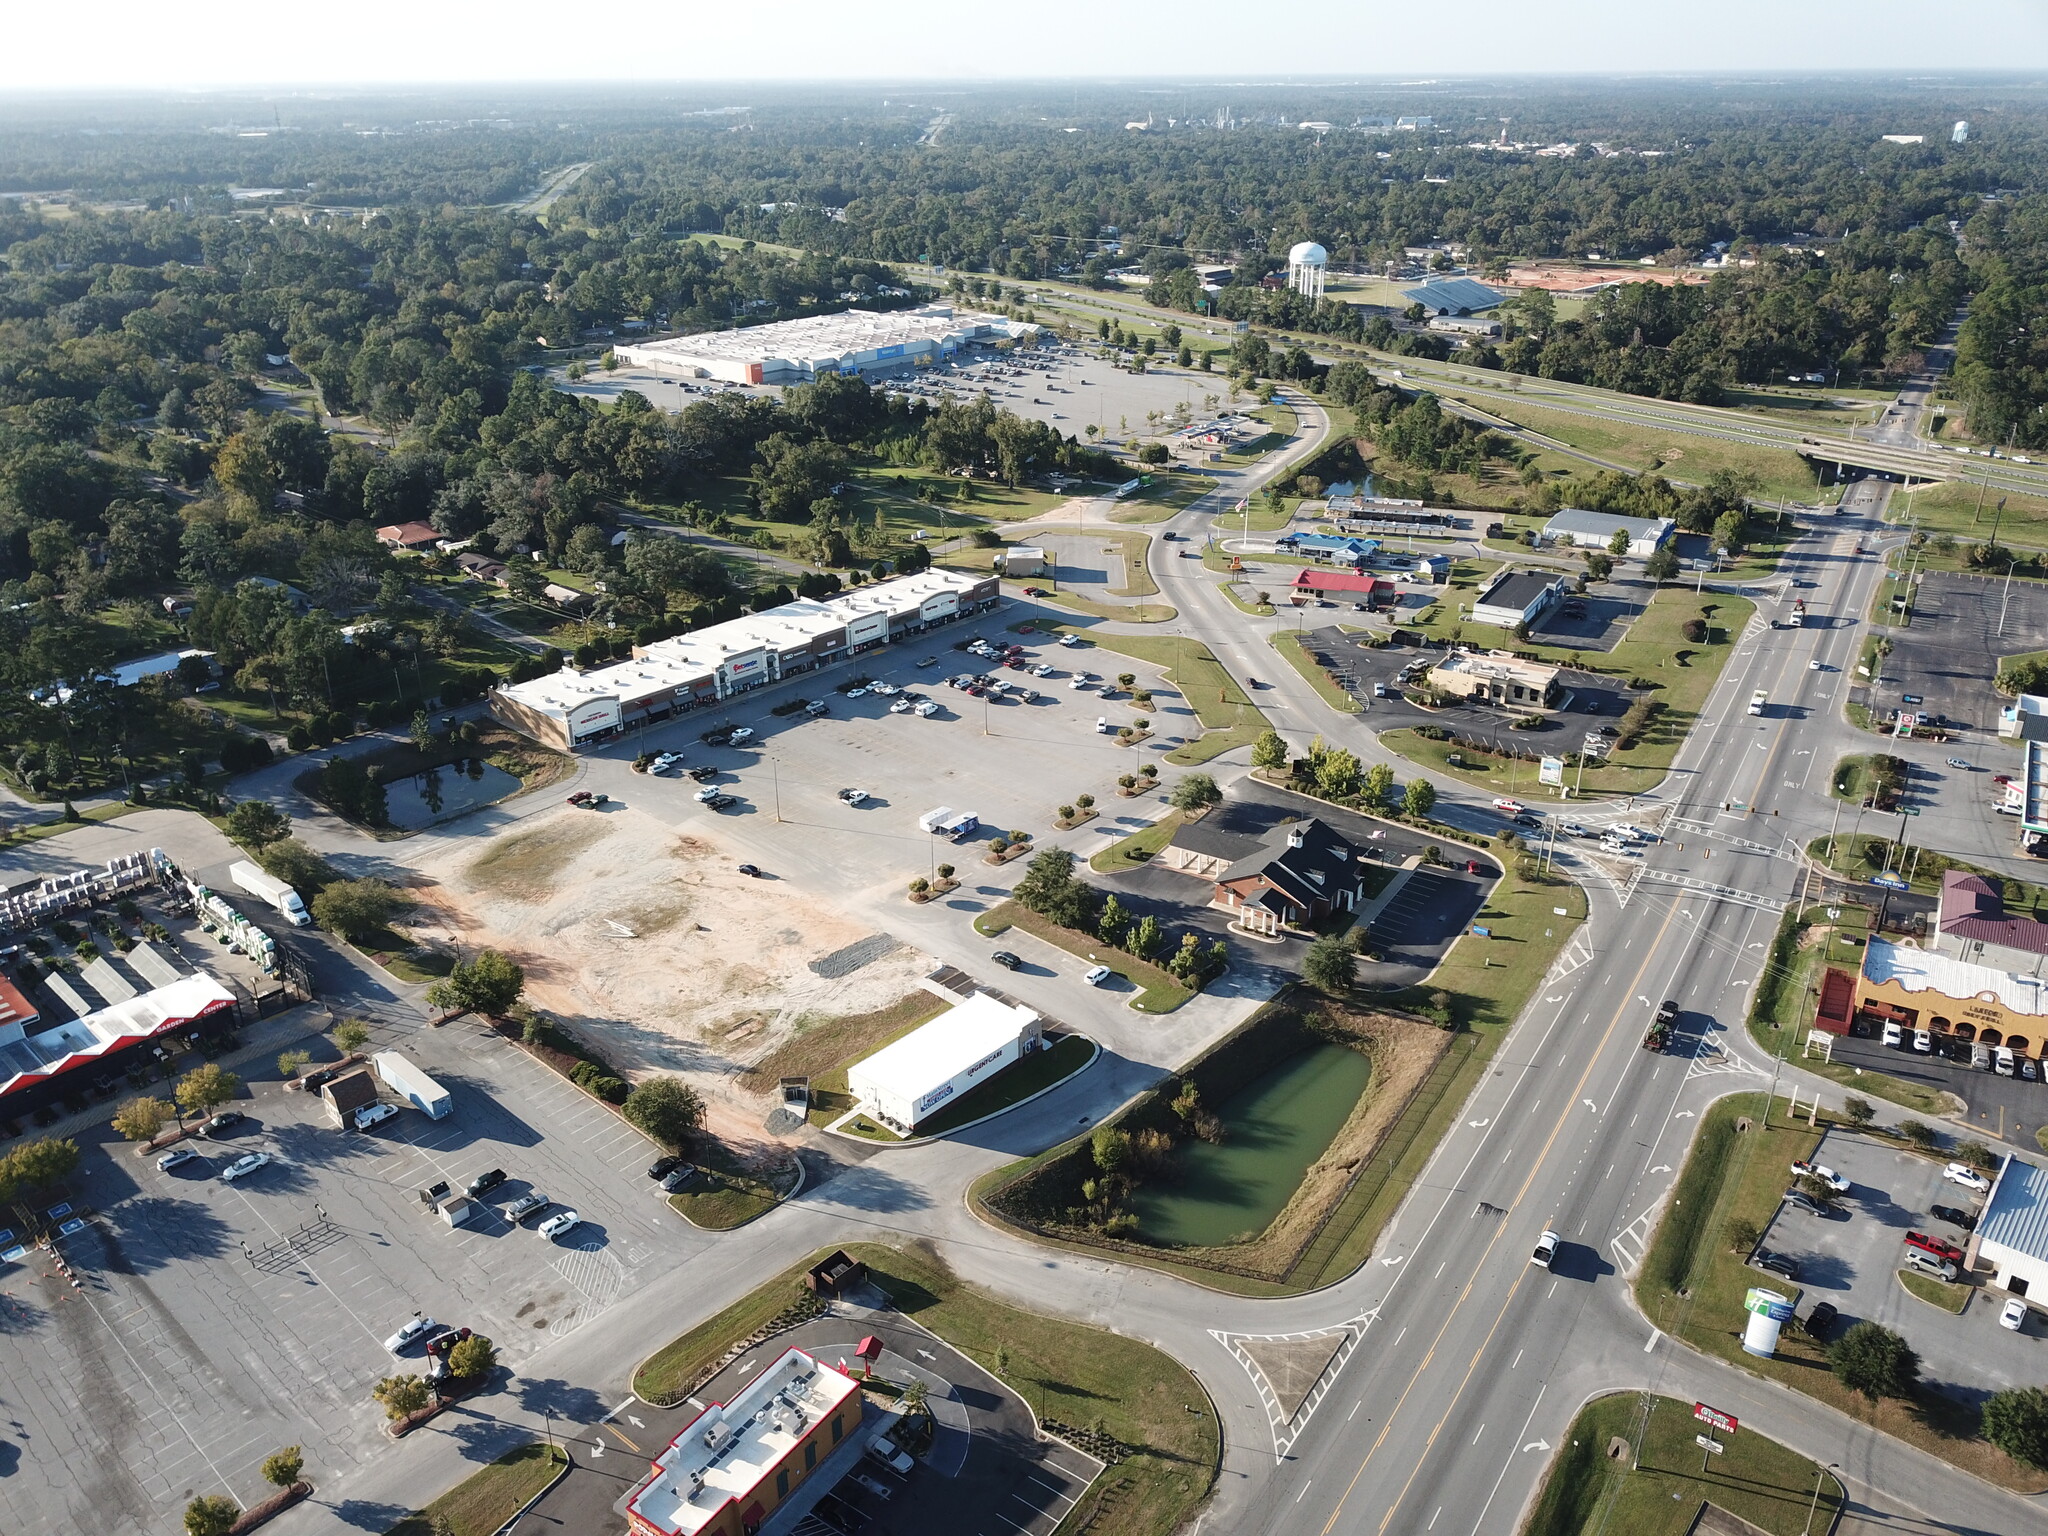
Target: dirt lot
pixel 652 947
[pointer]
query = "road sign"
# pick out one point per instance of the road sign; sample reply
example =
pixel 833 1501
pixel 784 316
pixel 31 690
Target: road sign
pixel 1709 1443
pixel 1725 1422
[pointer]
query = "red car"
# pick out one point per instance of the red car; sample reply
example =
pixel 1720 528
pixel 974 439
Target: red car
pixel 1935 1246
pixel 2001 778
pixel 581 797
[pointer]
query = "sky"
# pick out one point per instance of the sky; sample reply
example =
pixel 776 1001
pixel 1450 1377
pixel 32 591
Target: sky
pixel 150 45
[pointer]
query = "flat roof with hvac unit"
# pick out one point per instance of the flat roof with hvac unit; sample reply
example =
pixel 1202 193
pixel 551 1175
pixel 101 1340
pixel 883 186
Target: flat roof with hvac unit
pixel 851 341
pixel 961 1049
pixel 737 1461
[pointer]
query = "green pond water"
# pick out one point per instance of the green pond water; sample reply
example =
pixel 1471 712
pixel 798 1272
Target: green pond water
pixel 425 798
pixel 1276 1127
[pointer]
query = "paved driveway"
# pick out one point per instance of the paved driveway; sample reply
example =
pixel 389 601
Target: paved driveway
pixel 1963 627
pixel 1851 1258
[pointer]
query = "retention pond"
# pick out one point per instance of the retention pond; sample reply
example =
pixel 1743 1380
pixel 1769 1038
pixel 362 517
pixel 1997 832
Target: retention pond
pixel 1275 1129
pixel 422 799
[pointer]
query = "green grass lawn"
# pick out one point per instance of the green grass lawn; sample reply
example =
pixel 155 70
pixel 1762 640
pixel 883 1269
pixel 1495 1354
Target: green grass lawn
pixel 1970 514
pixel 1256 609
pixel 1851 855
pixel 1692 1283
pixel 1490 980
pixel 1139 848
pixel 1167 495
pixel 663 1377
pixel 1114 613
pixel 727 1193
pixel 1158 992
pixel 1947 1295
pixel 1014 1084
pixel 1289 645
pixel 1659 1493
pixel 485 1500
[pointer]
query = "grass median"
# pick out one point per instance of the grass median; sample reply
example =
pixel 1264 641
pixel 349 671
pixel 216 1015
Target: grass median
pixel 1069 1373
pixel 1658 1491
pixel 481 1503
pixel 1693 1280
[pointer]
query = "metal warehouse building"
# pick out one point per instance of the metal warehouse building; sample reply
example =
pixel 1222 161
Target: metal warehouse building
pixel 2012 1231
pixel 571 709
pixel 964 1047
pixel 852 341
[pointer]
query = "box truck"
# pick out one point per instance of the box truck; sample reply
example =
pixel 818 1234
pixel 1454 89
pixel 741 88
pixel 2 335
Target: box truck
pixel 963 824
pixel 269 888
pixel 411 1084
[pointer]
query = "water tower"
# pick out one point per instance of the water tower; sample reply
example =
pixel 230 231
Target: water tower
pixel 1306 264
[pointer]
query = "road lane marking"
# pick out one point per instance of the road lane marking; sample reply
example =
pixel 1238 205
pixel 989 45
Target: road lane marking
pixel 1450 1316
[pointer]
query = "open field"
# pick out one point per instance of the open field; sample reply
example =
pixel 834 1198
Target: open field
pixel 1970 513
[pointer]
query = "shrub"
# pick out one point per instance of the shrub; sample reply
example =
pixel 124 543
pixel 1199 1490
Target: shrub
pixel 1919 1133
pixel 475 1356
pixel 919 886
pixel 282 1468
pixel 1859 1112
pixel 2016 1421
pixel 1977 1155
pixel 1873 1360
pixel 666 1108
pixel 211 1514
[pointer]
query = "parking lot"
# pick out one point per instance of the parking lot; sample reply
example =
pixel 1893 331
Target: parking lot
pixel 1359 664
pixel 217 1321
pixel 1963 627
pixel 986 1471
pixel 2006 1107
pixel 1599 620
pixel 1851 1257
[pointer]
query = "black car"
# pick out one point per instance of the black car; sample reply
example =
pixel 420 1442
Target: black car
pixel 483 1183
pixel 315 1081
pixel 1007 961
pixel 704 774
pixel 662 1167
pixel 718 738
pixel 678 1178
pixel 1820 1322
pixel 751 869
pixel 720 802
pixel 1777 1264
pixel 221 1123
pixel 1953 1217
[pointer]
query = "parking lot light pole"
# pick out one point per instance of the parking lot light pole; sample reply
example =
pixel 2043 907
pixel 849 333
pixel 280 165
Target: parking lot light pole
pixel 1819 1475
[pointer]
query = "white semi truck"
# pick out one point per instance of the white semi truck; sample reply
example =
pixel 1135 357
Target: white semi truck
pixel 268 887
pixel 412 1085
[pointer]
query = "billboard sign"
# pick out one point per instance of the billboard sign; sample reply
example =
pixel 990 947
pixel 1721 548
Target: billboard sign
pixel 1551 771
pixel 1725 1422
pixel 1889 882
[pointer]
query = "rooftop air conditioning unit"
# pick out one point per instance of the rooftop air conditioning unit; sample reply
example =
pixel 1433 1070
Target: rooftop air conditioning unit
pixel 692 1485
pixel 718 1435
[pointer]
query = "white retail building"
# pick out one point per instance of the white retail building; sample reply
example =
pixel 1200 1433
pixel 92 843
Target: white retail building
pixel 909 1081
pixel 851 341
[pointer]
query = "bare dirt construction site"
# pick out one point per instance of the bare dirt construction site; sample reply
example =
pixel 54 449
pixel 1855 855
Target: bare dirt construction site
pixel 653 948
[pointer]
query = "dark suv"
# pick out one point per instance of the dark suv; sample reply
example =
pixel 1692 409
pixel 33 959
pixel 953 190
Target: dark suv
pixel 483 1183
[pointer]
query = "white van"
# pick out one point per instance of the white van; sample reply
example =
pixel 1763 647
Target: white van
pixel 1928 1264
pixel 1894 1036
pixel 2002 1060
pixel 1102 724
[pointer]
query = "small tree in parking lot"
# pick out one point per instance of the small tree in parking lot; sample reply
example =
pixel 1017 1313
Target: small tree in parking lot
pixel 1977 1155
pixel 475 1356
pixel 666 1108
pixel 211 1514
pixel 206 1088
pixel 945 871
pixel 351 1035
pixel 141 1119
pixel 402 1395
pixel 282 1469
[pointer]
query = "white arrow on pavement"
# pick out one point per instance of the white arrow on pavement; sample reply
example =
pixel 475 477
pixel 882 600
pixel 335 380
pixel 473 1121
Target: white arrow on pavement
pixel 634 1422
pixel 927 1354
pixel 1683 1114
pixel 1590 1105
pixel 1476 1124
pixel 1661 1168
pixel 596 1449
pixel 1397 1258
pixel 1536 1445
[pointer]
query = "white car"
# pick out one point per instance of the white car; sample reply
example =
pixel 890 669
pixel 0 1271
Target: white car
pixel 1965 1175
pixel 557 1224
pixel 243 1166
pixel 744 733
pixel 1070 639
pixel 1077 682
pixel 901 707
pixel 857 693
pixel 927 709
pixel 374 1114
pixel 2013 1314
pixel 1923 1041
pixel 666 761
pixel 417 1328
pixel 1096 975
pixel 853 796
pixel 1546 1249
pixel 1043 669
pixel 1825 1174
pixel 709 792
pixel 884 689
pixel 176 1157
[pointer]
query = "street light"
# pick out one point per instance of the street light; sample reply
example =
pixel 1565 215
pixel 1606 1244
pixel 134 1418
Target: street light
pixel 1819 1474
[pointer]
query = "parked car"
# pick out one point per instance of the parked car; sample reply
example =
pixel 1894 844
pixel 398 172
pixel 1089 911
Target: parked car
pixel 418 1327
pixel 927 709
pixel 1820 1322
pixel 559 1223
pixel 744 733
pixel 752 871
pixel 1070 640
pixel 1940 1247
pixel 242 1167
pixel 580 797
pixel 1894 1036
pixel 177 1157
pixel 703 773
pixel 853 796
pixel 222 1123
pixel 375 1114
pixel 1965 1175
pixel 525 1206
pixel 1777 1264
pixel 662 1167
pixel 1953 1216
pixel 484 1182
pixel 440 1343
pixel 1923 1041
pixel 313 1082
pixel 2013 1314
pixel 817 708
pixel 666 761
pixel 720 802
pixel 1800 1201
pixel 1006 960
pixel 1825 1174
pixel 707 794
pixel 900 706
pixel 1096 975
pixel 679 1178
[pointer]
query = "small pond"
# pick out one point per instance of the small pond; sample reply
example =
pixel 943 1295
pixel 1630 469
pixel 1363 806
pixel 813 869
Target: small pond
pixel 1277 1126
pixel 425 798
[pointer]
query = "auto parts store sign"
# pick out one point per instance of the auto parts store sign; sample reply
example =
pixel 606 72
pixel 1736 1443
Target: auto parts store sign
pixel 1725 1422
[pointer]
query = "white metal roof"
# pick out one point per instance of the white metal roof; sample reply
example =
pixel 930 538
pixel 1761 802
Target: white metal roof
pixel 1922 970
pixel 938 1052
pixel 827 339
